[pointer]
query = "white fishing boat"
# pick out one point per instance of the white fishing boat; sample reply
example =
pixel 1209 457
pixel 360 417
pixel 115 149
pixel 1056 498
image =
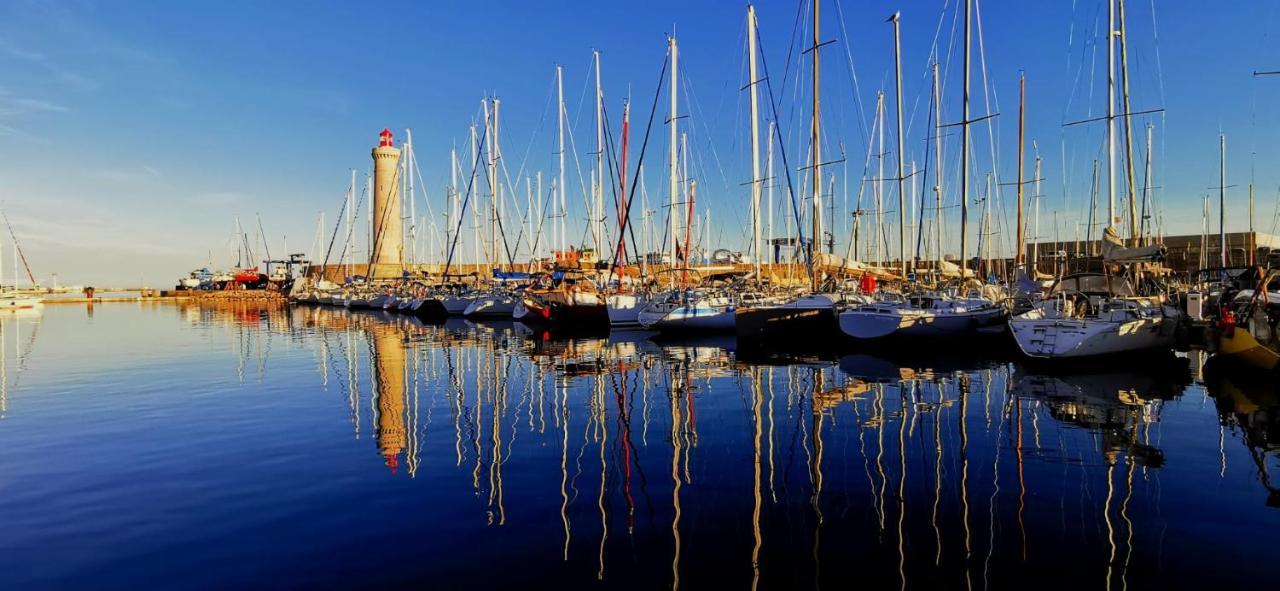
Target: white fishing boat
pixel 924 315
pixel 1093 314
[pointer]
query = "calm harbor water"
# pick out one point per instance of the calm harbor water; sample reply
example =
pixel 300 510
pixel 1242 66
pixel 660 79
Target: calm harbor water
pixel 179 446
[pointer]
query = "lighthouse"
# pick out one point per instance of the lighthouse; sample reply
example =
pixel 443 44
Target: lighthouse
pixel 387 256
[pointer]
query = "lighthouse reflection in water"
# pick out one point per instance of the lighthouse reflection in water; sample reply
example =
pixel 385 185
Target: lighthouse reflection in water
pixel 483 454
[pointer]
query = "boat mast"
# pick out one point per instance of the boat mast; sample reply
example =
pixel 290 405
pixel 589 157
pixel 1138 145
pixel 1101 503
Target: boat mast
pixel 1111 112
pixel 964 150
pixel 452 203
pixel 688 231
pixel 410 164
pixel 495 205
pixel 1035 245
pixel 674 51
pixel 1134 234
pixel 560 182
pixel 768 167
pixel 878 239
pixel 1222 196
pixel 1146 190
pixel 597 216
pixel 755 142
pixel 490 173
pixel 475 227
pixel 348 252
pixel 937 162
pixel 902 205
pixel 1022 119
pixel 816 236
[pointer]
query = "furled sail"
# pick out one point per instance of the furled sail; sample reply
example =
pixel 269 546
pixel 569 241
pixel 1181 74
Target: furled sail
pixel 1114 250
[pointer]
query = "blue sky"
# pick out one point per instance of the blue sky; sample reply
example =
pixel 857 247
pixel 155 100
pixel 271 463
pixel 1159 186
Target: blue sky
pixel 132 133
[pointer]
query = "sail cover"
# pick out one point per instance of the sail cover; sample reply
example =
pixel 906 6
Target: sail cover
pixel 1114 250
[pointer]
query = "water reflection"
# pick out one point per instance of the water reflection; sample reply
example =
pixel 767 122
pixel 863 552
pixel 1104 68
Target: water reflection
pixel 1250 407
pixel 677 464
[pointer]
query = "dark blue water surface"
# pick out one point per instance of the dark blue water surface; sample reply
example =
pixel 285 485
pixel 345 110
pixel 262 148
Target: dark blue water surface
pixel 179 446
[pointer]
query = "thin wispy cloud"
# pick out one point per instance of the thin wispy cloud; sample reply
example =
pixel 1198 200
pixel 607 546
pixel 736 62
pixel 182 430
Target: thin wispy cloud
pixel 11 105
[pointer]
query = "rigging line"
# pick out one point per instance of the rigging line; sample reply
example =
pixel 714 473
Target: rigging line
pixel 430 211
pixel 577 163
pixel 542 220
pixel 988 93
pixel 924 182
pixel 345 197
pixel 614 164
pixel 702 119
pixel 351 230
pixel 782 149
pixel 853 72
pixel 542 119
pixel 640 161
pixel 457 230
pixel 573 147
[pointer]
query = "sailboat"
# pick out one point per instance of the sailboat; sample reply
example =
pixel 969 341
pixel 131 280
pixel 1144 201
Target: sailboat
pixel 944 313
pixel 566 299
pixel 1091 314
pixel 965 309
pixel 12 298
pixel 1095 314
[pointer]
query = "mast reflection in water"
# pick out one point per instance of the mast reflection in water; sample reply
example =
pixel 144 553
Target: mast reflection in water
pixel 318 447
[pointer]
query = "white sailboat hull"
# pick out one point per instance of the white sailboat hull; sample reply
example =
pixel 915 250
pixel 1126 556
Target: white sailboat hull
pixel 491 306
pixel 882 322
pixel 457 305
pixel 624 309
pixel 686 318
pixel 1065 339
pixel 20 302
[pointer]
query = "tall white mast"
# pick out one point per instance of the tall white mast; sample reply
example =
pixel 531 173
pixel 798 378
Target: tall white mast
pixel 691 216
pixel 542 216
pixel 453 201
pixel 475 227
pixel 528 214
pixel 1111 112
pixel 902 209
pixel 597 215
pixel 816 151
pixel 937 163
pixel 755 141
pixel 490 177
pixel 1146 194
pixel 1222 196
pixel 413 207
pixel 1035 241
pixel 347 250
pixel 964 150
pixel 769 175
pixel 560 119
pixel 880 233
pixel 674 51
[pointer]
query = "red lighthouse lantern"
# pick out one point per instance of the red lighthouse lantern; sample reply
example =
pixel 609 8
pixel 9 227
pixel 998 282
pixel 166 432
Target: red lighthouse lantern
pixel 385 138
